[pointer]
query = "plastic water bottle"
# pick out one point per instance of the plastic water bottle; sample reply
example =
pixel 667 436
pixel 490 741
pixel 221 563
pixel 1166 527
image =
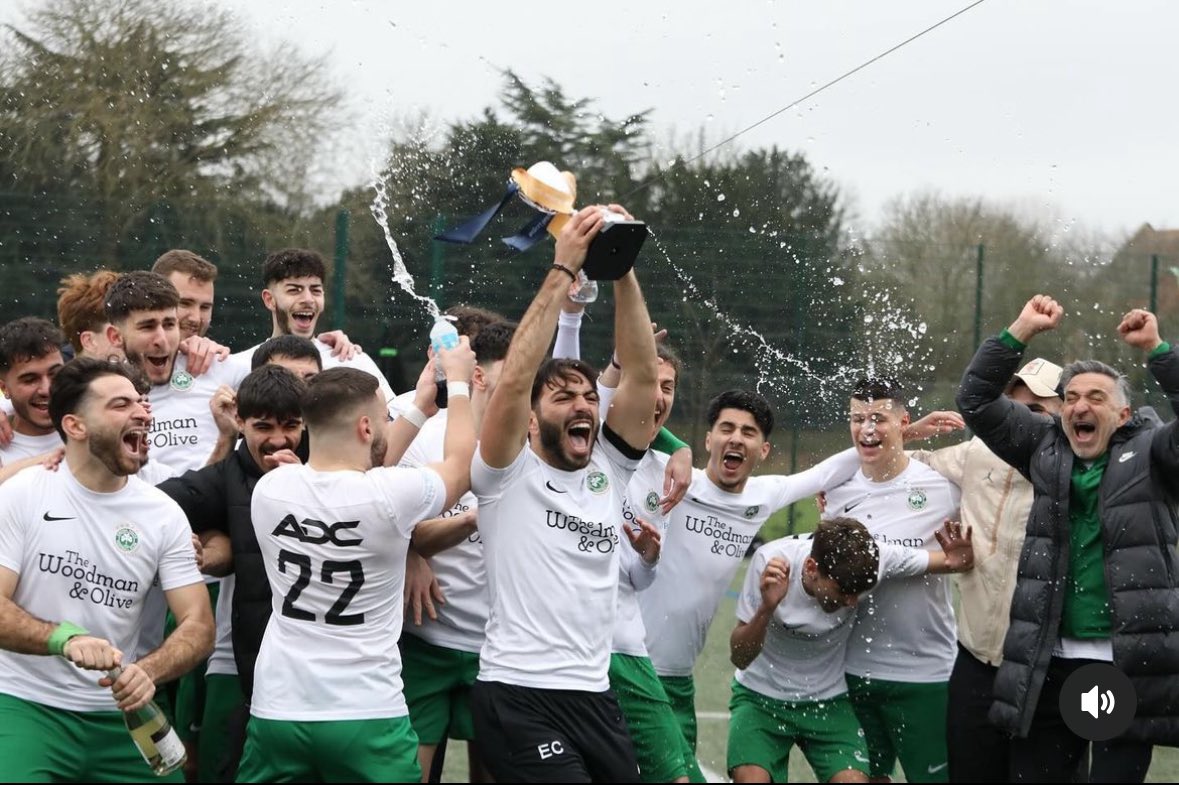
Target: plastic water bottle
pixel 444 335
pixel 155 737
pixel 587 290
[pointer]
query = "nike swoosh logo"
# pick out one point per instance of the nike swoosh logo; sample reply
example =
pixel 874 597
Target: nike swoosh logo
pixel 936 769
pixel 549 485
pixel 1125 457
pixel 48 517
pixel 849 507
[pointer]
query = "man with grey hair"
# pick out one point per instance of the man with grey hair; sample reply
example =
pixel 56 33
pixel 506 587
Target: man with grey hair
pixel 1097 579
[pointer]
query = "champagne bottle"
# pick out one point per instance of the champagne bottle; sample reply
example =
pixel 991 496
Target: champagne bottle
pixel 154 735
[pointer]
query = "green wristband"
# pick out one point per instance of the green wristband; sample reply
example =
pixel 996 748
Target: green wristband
pixel 1160 350
pixel 61 635
pixel 1011 342
pixel 666 442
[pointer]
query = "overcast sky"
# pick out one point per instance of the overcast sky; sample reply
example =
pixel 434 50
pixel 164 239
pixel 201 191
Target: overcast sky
pixel 1061 106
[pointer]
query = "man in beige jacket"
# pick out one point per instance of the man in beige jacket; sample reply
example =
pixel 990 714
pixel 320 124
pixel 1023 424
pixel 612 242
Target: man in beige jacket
pixel 996 501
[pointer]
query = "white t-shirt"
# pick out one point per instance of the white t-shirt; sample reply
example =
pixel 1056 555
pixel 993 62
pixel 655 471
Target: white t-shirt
pixel 88 558
pixel 155 604
pixel 706 541
pixel 23 446
pixel 459 570
pixel 244 359
pixel 334 546
pixel 904 630
pixel 802 658
pixel 183 431
pixel 643 493
pixel 550 540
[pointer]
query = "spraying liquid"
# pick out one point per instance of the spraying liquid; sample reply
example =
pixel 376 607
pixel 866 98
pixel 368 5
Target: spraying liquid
pixel 380 210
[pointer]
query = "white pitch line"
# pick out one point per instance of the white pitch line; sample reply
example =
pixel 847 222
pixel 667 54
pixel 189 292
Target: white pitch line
pixel 712 715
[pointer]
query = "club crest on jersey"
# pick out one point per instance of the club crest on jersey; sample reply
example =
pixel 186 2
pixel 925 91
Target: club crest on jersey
pixel 597 482
pixel 652 501
pixel 127 538
pixel 917 499
pixel 181 381
pixel 751 511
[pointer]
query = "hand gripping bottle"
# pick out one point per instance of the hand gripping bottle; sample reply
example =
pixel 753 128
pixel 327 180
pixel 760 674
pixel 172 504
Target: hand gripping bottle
pixel 154 735
pixel 443 335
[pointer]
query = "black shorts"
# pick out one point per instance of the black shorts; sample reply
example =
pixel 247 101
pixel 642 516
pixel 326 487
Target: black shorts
pixel 526 734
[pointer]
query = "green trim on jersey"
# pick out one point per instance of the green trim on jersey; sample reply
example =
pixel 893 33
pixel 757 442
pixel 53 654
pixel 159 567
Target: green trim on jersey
pixel 662 751
pixel 43 744
pixel 437 684
pixel 763 729
pixel 903 720
pixel 223 695
pixel 333 751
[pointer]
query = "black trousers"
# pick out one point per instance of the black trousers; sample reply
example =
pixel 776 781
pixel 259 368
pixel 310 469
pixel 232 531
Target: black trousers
pixel 525 734
pixel 978 750
pixel 1053 753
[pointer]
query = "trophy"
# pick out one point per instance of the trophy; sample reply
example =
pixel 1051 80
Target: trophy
pixel 550 194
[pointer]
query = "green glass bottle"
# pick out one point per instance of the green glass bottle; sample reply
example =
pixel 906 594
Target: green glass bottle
pixel 154 735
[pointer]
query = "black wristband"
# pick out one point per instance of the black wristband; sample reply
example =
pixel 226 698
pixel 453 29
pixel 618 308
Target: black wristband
pixel 558 266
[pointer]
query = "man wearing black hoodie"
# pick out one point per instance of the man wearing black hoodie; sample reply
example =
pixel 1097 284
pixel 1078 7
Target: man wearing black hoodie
pixel 1098 579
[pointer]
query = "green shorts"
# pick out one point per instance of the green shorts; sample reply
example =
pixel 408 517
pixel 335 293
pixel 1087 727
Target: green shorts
pixel 384 750
pixel 905 720
pixel 763 729
pixel 437 685
pixel 223 695
pixel 42 744
pixel 662 751
pixel 681 691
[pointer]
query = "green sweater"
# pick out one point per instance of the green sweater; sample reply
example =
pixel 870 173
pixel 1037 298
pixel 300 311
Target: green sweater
pixel 1086 598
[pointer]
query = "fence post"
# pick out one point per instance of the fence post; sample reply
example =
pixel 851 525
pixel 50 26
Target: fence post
pixel 1154 283
pixel 437 262
pixel 339 271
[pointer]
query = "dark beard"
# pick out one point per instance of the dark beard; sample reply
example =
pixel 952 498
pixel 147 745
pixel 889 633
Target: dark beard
pixel 109 451
pixel 550 442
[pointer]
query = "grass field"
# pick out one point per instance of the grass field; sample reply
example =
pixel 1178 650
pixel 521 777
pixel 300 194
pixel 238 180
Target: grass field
pixel 713 676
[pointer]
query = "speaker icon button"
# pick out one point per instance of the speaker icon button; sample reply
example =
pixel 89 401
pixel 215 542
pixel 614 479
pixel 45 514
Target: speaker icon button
pixel 1097 701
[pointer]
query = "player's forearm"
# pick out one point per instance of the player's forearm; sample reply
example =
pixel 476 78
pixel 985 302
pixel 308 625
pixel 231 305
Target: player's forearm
pixel 399 434
pixel 191 642
pixel 9 469
pixel 746 642
pixel 458 448
pixel 633 339
pixel 434 536
pixel 21 632
pixel 222 448
pixel 216 554
pixel 530 343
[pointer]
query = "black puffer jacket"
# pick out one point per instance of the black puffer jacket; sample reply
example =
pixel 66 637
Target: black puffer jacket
pixel 217 498
pixel 1138 523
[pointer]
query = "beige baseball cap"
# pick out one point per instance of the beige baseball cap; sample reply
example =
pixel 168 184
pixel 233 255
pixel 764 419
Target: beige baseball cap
pixel 1041 377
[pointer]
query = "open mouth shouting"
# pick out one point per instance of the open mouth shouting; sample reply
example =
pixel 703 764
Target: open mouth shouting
pixel 303 321
pixel 157 367
pixel 580 435
pixel 134 443
pixel 1084 432
pixel 731 461
pixel 869 445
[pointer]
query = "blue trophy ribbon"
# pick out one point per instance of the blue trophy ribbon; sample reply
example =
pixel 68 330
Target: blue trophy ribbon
pixel 467 231
pixel 531 233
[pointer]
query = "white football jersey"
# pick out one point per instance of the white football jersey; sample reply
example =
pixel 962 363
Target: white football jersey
pixel 23 446
pixel 905 629
pixel 88 558
pixel 183 431
pixel 643 493
pixel 550 540
pixel 709 534
pixel 459 570
pixel 334 546
pixel 802 658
